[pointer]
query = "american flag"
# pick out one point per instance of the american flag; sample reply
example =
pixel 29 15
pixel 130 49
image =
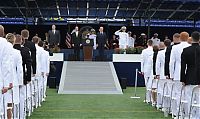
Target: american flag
pixel 68 41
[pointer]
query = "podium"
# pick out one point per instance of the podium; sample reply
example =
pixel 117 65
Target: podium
pixel 88 49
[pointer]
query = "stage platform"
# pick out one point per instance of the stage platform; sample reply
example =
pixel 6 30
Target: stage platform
pixel 89 78
pixel 125 66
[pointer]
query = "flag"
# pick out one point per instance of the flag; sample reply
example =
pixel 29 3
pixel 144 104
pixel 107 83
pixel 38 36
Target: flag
pixel 68 41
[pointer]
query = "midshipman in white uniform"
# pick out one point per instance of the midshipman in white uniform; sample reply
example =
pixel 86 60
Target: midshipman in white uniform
pixel 5 72
pixel 39 73
pixel 175 67
pixel 45 68
pixel 146 66
pixel 123 37
pixel 18 75
pixel 160 72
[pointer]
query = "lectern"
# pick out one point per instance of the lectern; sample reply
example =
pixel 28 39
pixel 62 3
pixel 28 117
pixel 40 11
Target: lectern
pixel 88 49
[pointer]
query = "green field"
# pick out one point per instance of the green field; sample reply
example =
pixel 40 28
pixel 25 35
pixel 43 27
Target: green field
pixel 96 107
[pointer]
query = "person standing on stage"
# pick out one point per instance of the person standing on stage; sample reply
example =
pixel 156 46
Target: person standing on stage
pixel 114 42
pixel 76 42
pixel 155 39
pixel 123 37
pixel 54 37
pixel 190 69
pixel 142 40
pixel 93 36
pixel 101 42
pixel 131 40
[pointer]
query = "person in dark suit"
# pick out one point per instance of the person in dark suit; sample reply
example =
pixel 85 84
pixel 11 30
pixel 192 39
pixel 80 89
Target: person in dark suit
pixel 54 37
pixel 27 43
pixel 101 42
pixel 190 68
pixel 76 42
pixel 176 40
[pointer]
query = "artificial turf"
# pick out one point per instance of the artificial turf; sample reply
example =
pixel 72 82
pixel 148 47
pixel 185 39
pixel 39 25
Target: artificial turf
pixel 96 106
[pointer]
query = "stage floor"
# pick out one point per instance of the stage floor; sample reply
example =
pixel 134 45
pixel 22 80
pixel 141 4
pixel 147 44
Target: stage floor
pixel 89 78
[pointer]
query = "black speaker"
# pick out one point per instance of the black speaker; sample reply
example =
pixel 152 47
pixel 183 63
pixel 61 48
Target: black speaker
pixel 123 82
pixel 52 82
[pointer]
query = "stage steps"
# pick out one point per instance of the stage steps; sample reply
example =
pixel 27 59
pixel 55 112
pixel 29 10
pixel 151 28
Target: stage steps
pixel 80 77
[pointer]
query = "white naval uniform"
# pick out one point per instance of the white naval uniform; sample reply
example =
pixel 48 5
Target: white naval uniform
pixel 131 42
pixel 5 71
pixel 175 67
pixel 93 36
pixel 156 41
pixel 160 64
pixel 147 69
pixel 39 79
pixel 18 80
pixel 123 39
pixel 45 68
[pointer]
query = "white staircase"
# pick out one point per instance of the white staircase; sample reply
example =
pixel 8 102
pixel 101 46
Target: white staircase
pixel 89 78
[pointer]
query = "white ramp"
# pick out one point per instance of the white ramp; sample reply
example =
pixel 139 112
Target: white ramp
pixel 89 78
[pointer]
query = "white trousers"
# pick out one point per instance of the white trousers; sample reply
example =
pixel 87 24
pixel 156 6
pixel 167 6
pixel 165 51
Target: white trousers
pixel 148 84
pixel 122 46
pixel 45 86
pixel 22 95
pixel 3 109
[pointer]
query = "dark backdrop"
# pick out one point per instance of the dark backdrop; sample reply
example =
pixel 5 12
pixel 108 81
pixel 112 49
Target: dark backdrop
pixel 42 29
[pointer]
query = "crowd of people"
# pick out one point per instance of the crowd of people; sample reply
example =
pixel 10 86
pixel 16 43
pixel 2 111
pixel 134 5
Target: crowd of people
pixel 24 68
pixel 172 75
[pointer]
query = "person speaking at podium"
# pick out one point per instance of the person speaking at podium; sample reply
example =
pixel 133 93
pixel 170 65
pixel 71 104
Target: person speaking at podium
pixel 76 42
pixel 101 42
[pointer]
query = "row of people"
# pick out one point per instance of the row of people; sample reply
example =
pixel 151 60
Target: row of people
pixel 172 73
pixel 124 40
pixel 23 74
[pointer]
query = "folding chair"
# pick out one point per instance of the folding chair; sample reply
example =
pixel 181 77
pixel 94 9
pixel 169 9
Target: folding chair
pixel 154 82
pixel 195 101
pixel 165 99
pixel 181 103
pixel 168 94
pixel 160 92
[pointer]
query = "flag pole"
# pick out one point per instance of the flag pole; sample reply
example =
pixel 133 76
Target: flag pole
pixel 135 90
